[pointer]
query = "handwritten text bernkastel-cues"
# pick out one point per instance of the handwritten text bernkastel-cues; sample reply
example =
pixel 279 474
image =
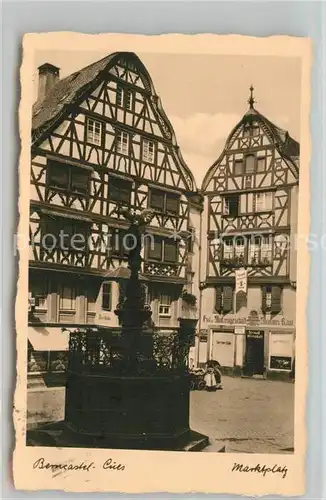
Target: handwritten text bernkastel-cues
pixel 109 464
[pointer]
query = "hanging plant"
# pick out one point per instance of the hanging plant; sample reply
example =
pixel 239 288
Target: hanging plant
pixel 189 298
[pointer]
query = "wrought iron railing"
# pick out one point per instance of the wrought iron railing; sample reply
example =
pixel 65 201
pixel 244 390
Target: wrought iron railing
pixel 107 352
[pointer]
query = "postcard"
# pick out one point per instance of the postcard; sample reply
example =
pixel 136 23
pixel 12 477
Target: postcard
pixel 163 264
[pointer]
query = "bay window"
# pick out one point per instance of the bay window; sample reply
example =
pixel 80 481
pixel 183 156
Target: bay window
pixel 260 250
pixel 163 250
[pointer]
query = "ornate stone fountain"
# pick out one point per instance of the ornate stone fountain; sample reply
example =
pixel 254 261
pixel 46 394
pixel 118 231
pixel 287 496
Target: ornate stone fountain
pixel 129 388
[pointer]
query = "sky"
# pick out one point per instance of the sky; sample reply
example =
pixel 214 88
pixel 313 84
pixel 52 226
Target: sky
pixel 204 96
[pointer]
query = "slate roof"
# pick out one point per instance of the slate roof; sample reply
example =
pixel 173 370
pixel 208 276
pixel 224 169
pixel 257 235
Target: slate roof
pixel 289 146
pixel 64 92
pixel 68 90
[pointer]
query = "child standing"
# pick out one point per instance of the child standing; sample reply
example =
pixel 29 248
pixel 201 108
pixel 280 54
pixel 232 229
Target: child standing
pixel 210 379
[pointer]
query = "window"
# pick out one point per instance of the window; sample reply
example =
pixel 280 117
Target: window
pixel 122 143
pixel 172 203
pixel 40 294
pixel 266 249
pixel 224 299
pixel 164 202
pixel 68 178
pixel 163 250
pixel 263 201
pixel 254 250
pixel 124 97
pixel 238 167
pixel 79 181
pixel 94 132
pixel 250 164
pixel 107 296
pixel 64 235
pixel 234 250
pixel 46 361
pixel 231 206
pixel 155 250
pixel 228 251
pixel 67 298
pixel 248 181
pixel 250 131
pixel 170 251
pixel 164 305
pixel 148 151
pixel 157 200
pixel 239 248
pixel 261 163
pixel 272 299
pixel 119 100
pixel 120 190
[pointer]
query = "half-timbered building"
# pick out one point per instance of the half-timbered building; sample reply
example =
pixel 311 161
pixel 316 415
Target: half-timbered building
pixel 101 141
pixel 249 227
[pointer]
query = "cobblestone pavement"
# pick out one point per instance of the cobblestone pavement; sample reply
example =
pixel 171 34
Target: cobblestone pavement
pixel 248 415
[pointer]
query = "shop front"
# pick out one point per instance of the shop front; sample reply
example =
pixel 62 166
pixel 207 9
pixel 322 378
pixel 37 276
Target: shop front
pixel 261 348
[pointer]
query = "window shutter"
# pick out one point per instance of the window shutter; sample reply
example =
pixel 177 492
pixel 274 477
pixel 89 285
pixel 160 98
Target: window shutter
pixel 170 251
pixel 250 164
pixel 157 200
pixel 276 299
pixel 106 296
pixel 58 175
pixel 172 203
pixel 79 181
pixel 263 299
pixel 155 249
pixel 120 190
pixel 218 299
pixel 227 299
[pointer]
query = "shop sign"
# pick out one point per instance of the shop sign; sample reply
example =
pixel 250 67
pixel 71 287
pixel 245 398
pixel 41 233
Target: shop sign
pixel 239 330
pixel 255 334
pixel 247 320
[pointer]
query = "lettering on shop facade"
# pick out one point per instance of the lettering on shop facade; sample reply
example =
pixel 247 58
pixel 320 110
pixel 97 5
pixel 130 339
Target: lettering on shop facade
pixel 259 321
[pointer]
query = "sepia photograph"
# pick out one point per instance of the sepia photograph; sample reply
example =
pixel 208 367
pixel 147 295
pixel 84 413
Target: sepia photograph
pixel 163 199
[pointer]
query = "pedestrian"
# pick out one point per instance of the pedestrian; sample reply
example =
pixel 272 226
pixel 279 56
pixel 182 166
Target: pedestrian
pixel 210 379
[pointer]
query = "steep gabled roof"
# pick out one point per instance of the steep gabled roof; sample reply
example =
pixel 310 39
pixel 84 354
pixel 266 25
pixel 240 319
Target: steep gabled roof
pixel 64 92
pixel 287 146
pixel 50 111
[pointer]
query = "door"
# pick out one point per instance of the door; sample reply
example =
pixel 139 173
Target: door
pixel 254 358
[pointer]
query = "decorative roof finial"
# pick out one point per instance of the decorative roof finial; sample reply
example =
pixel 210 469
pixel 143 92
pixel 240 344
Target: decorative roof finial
pixel 251 99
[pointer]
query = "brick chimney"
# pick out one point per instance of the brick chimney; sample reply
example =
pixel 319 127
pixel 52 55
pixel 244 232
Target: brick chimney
pixel 49 75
